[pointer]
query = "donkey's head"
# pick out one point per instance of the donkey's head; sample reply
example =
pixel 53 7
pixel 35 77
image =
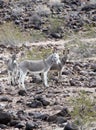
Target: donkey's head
pixel 65 56
pixel 55 58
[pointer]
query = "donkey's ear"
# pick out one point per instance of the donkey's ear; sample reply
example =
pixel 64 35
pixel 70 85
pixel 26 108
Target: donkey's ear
pixel 66 51
pixel 13 56
pixel 54 50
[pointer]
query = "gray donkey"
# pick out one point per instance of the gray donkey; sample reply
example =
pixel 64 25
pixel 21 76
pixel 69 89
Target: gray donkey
pixel 37 67
pixel 59 67
pixel 12 70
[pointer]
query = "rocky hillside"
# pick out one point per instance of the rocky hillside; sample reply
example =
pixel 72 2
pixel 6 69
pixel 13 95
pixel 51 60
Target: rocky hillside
pixel 71 98
pixel 69 103
pixel 51 18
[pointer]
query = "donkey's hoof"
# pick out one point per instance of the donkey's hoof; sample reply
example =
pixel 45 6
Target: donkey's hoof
pixel 46 85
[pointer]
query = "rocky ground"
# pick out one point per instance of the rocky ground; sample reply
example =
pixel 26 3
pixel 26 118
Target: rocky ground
pixel 46 108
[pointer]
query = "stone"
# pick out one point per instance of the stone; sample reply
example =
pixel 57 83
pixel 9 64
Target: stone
pixel 71 126
pixel 1 3
pixel 39 116
pixel 42 100
pixel 5 117
pixel 14 122
pixel 20 125
pixel 60 120
pixel 2 126
pixel 89 7
pixel 64 113
pixel 35 104
pixel 22 115
pixel 5 99
pixel 30 125
pixel 92 83
pixel 22 92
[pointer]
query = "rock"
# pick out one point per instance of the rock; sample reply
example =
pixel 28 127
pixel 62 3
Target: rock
pixel 14 122
pixel 1 3
pixel 56 31
pixel 73 82
pixel 5 117
pixel 17 22
pixel 5 99
pixel 56 35
pixel 20 125
pixel 64 113
pixel 60 120
pixel 92 83
pixel 71 126
pixel 31 125
pixel 44 117
pixel 94 18
pixel 36 79
pixel 56 7
pixel 22 115
pixel 20 101
pixel 2 126
pixel 43 10
pixel 91 73
pixel 93 67
pixel 56 119
pixel 60 117
pixel 35 104
pixel 84 73
pixel 37 115
pixel 66 72
pixel 52 118
pixel 76 68
pixel 89 7
pixel 72 2
pixel 42 100
pixel 22 92
pixel 39 91
pixel 36 21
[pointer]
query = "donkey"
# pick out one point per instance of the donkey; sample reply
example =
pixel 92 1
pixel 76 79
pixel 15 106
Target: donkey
pixel 12 70
pixel 59 67
pixel 37 67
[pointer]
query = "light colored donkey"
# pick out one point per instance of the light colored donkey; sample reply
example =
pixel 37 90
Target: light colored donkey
pixel 12 70
pixel 59 67
pixel 36 67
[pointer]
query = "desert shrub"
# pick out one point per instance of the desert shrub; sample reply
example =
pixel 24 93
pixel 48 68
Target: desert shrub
pixel 38 53
pixel 42 10
pixel 36 21
pixel 56 6
pixel 84 111
pixel 56 27
pixel 16 12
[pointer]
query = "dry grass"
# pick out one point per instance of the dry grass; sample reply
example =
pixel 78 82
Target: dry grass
pixel 11 34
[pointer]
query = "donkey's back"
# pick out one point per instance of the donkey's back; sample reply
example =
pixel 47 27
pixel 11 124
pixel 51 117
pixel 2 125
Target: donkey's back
pixel 32 65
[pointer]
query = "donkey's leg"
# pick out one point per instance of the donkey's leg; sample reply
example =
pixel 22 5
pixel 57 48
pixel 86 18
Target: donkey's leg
pixel 45 79
pixel 13 78
pixel 9 77
pixel 22 79
pixel 16 76
pixel 59 74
